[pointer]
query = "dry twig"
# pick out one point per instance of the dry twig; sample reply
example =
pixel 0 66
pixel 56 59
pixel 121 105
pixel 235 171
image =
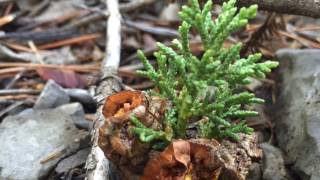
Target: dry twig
pixel 97 165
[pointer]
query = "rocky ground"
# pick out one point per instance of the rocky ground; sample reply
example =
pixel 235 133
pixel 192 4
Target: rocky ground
pixel 45 124
pixel 294 153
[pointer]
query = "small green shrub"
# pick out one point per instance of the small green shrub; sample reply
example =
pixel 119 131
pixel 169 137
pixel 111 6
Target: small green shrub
pixel 206 88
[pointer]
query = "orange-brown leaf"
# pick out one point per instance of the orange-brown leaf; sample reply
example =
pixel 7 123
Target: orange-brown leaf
pixel 118 106
pixel 172 163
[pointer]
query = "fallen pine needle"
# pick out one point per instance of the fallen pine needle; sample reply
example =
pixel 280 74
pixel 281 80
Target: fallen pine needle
pixel 308 28
pixel 14 67
pixel 17 67
pixel 11 70
pixel 18 47
pixel 300 39
pixel 70 41
pixel 17 97
pixel 7 19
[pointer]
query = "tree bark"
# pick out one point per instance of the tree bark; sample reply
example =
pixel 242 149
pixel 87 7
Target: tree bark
pixel 309 8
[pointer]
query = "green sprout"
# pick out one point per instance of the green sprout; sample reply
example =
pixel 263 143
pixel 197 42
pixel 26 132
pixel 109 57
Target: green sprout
pixel 206 87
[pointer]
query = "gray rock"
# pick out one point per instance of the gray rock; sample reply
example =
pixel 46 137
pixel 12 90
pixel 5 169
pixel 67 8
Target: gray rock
pixel 82 96
pixel 298 116
pixel 52 96
pixel 315 177
pixel 273 164
pixel 27 140
pixel 77 115
pixel 73 161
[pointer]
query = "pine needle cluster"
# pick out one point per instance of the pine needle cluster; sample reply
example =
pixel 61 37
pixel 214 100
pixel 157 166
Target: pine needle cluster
pixel 207 87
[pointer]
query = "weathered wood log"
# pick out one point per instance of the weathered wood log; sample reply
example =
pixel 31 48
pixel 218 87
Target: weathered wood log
pixel 295 7
pixel 194 157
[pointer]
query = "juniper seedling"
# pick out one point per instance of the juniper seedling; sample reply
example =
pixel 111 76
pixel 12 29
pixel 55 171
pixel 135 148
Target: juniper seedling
pixel 206 88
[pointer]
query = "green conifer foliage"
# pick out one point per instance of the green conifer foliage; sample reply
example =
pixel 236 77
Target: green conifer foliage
pixel 206 88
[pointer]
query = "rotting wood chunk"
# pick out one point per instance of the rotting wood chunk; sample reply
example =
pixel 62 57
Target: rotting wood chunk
pixel 182 159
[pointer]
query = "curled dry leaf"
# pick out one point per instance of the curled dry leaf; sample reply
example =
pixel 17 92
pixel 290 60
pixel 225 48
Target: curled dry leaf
pixel 117 110
pixel 117 107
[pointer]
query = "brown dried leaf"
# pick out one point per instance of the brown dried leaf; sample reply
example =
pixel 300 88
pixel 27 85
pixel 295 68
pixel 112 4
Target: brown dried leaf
pixel 65 78
pixel 193 159
pixel 118 107
pixel 172 163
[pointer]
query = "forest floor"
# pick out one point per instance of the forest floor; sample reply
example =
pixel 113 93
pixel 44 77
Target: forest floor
pixel 50 57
